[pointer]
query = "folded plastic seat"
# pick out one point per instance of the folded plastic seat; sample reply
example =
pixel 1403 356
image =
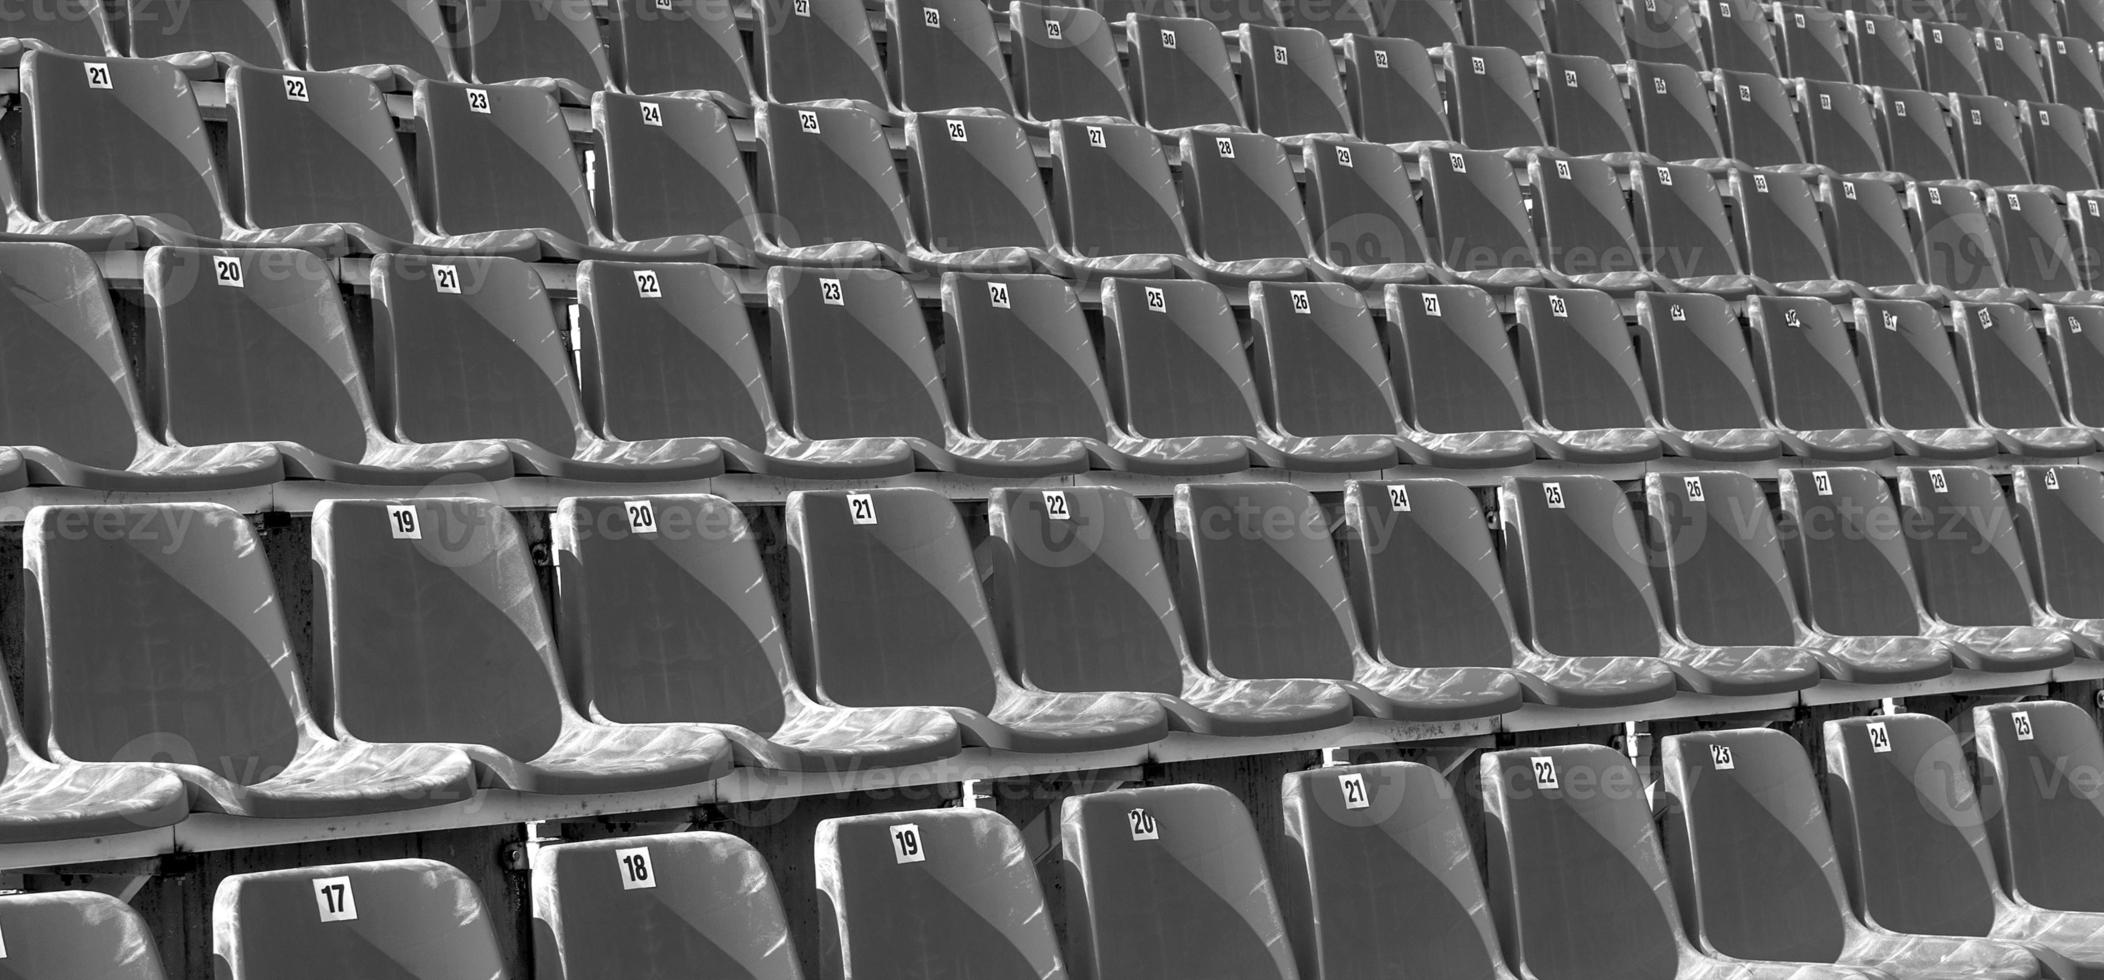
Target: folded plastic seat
pixel 1699 375
pixel 1065 64
pixel 670 167
pixel 1180 73
pixel 1809 375
pixel 1578 366
pixel 1913 382
pixel 2010 383
pixel 657 905
pixel 691 47
pixel 1971 560
pixel 406 917
pixel 817 50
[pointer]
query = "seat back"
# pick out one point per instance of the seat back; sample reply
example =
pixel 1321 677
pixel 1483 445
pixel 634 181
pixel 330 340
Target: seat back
pixel 431 623
pixel 1574 557
pixel 1805 364
pixel 827 175
pixel 670 167
pixel 2056 138
pixel 851 356
pixel 1582 106
pixel 1781 228
pixel 1111 191
pixel 1739 36
pixel 337 34
pixel 1916 132
pixel 1174 356
pixel 1577 362
pixel 194 667
pixel 1449 360
pixel 1479 222
pixel 1673 115
pixel 1906 360
pixel 314 147
pixel 2060 512
pixel 1760 123
pixel 407 916
pixel 1258 583
pixel 2042 809
pixel 1290 82
pixel 1575 868
pixel 1085 603
pixel 1957 244
pixel 2075 339
pixel 253 346
pixel 1969 559
pixel 1394 90
pixel 2072 67
pixel 1336 21
pixel 1491 93
pixel 497 158
pixel 77 934
pixel 1179 72
pixel 1950 58
pixel 1666 32
pixel 1883 51
pixel 1514 24
pixel 250 31
pixel 1696 366
pixel 886 604
pixel 947 894
pixel 817 49
pixel 116 136
pixel 1592 28
pixel 1723 573
pixel 681 46
pixel 1436 22
pixel 1684 230
pixel 1169 879
pixel 1910 836
pixel 942 54
pixel 1872 243
pixel 1065 63
pixel 1361 205
pixel 2005 366
pixel 640 579
pixel 975 183
pixel 2032 239
pixel 1990 141
pixel 657 905
pixel 1240 197
pixel 1424 575
pixel 65 376
pixel 1840 128
pixel 669 352
pixel 1812 45
pixel 73 26
pixel 1318 361
pixel 1853 577
pixel 430 316
pixel 507 40
pixel 2009 59
pixel 1018 361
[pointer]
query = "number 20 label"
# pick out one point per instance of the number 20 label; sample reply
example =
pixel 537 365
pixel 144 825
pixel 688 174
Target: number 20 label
pixel 1142 825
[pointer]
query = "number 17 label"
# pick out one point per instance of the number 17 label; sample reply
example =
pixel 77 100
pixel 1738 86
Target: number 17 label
pixel 333 899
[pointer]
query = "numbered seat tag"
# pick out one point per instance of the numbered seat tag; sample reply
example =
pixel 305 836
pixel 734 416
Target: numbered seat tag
pixel 642 516
pixel 1398 497
pixel 1056 505
pixel 1693 485
pixel 1157 301
pixel 1545 772
pixel 226 271
pixel 99 75
pixel 1822 484
pixel 1937 482
pixel 1353 786
pixel 861 508
pixel 635 868
pixel 648 285
pixel 997 294
pixel 334 901
pixel 1721 758
pixel 831 293
pixel 1143 825
pixel 2052 479
pixel 446 278
pixel 906 846
pixel 1553 493
pixel 478 101
pixel 1431 304
pixel 1880 738
pixel 295 88
pixel 653 114
pixel 807 121
pixel 402 522
pixel 2021 722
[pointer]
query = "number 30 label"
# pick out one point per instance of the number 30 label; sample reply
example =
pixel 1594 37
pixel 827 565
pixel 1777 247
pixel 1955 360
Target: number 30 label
pixel 333 899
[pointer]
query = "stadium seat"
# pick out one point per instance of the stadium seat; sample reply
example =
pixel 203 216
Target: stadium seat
pixel 1020 364
pixel 1290 82
pixel 668 351
pixel 1957 243
pixel 1685 234
pixel 1873 245
pixel 70 412
pixel 1783 233
pixel 2085 19
pixel 74 26
pixel 642 577
pixel 1974 13
pixel 406 917
pixel 499 159
pixel 1174 357
pixel 1759 122
pixel 1583 110
pixel 1810 39
pixel 1179 73
pixel 484 676
pixel 2010 383
pixel 1085 604
pixel 1378 871
pixel 2086 214
pixel 1065 64
pixel 1425 578
pixel 1230 15
pixel 942 894
pixel 1480 228
pixel 1578 367
pixel 1490 94
pixel 1449 360
pixel 1724 580
pixel 1913 382
pixel 1754 866
pixel 1738 37
pixel 811 50
pixel 657 906
pixel 1243 207
pixel 194 672
pixel 977 200
pixel 685 46
pixel 2031 236
pixel 1882 51
pixel 1578 879
pixel 1336 20
pixel 1810 379
pixel 432 316
pixel 1362 211
pixel 1318 364
pixel 2072 67
pixel 1972 567
pixel 77 934
pixel 1700 379
pixel 1950 58
pixel 1591 28
pixel 2056 507
pixel 865 325
pixel 2056 140
pixel 829 188
pixel 44 801
pixel 1587 235
pixel 2010 61
pixel 888 612
pixel 1115 10
pixel 2075 345
pixel 1916 130
pixel 1990 141
pixel 1667 31
pixel 553 43
pixel 1854 577
pixel 115 145
pixel 670 168
pixel 395 43
pixel 1914 849
pixel 1573 557
pixel 1515 24
pixel 1114 202
pixel 1840 128
pixel 1169 881
pixel 251 351
pixel 2040 821
pixel 1392 89
pixel 249 32
pixel 1674 119
pixel 1431 22
pixel 2032 17
pixel 942 54
pixel 1261 604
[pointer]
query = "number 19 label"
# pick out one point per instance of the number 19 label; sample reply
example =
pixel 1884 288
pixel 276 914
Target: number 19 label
pixel 906 844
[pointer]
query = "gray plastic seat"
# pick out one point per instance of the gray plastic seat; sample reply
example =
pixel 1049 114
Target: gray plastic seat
pixel 1912 380
pixel 1114 202
pixel 251 352
pixel 1989 141
pixel 1699 376
pixel 829 189
pixel 1578 879
pixel 658 907
pixel 2057 510
pixel 1578 366
pixel 194 672
pixel 1583 111
pixel 2038 254
pixel 1169 881
pixel 1841 127
pixel 2041 816
pixel 1759 122
pixel 1085 604
pixel 1674 119
pixel 1972 568
pixel 1362 212
pixel 1573 557
pixel 1857 578
pixel 1958 251
pixel 1685 234
pixel 1290 82
pixel 1436 22
pixel 73 26
pixel 1378 871
pixel 1587 235
pixel 77 934
pixel 1490 94
pixel 1783 233
pixel 667 618
pixel 1810 379
pixel 1755 868
pixel 545 42
pixel 1916 130
pixel 432 315
pixel 1590 28
pixel 1881 50
pixel 41 800
pixel 2010 383
pixel 2056 139
pixel 1738 36
pixel 1481 231
pixel 1514 24
pixel 482 677
pixel 686 46
pixel 1873 245
pixel 808 50
pixel 978 203
pixel 1429 593
pixel 1065 64
pixel 670 168
pixel 1392 87
pixel 942 54
pixel 1811 40
pixel 934 894
pixel 2010 62
pixel 1243 207
pixel 889 613
pixel 1318 364
pixel 1019 364
pixel 1725 581
pixel 2072 68
pixel 1667 31
pixel 1180 73
pixel 1456 378
pixel 392 42
pixel 1950 58
pixel 404 918
pixel 1257 605
pixel 1913 844
pixel 207 36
